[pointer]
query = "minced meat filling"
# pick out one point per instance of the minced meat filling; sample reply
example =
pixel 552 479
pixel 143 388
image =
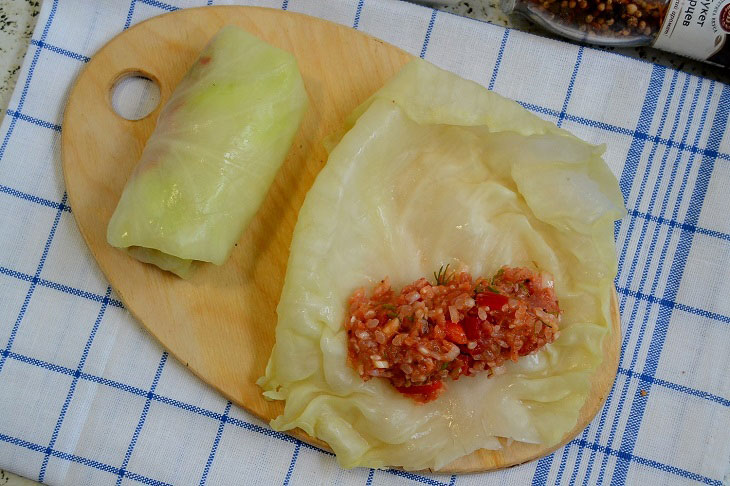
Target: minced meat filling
pixel 427 332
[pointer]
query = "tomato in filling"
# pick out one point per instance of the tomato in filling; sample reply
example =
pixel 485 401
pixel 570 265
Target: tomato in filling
pixel 429 332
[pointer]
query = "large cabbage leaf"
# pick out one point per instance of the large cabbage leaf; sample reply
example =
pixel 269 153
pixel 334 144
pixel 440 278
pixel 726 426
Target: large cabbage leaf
pixel 436 169
pixel 217 145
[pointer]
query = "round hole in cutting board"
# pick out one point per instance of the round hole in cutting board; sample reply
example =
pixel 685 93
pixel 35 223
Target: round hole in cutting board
pixel 134 96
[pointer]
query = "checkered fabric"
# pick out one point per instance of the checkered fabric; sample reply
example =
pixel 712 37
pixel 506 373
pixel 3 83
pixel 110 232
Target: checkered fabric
pixel 87 397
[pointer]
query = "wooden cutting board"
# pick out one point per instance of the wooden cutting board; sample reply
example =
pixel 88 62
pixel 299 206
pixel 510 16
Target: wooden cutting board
pixel 221 322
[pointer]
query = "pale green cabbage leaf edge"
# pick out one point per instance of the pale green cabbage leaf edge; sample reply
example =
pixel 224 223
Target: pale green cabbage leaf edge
pixel 436 169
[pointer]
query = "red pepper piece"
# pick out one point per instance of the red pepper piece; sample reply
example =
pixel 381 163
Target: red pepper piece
pixel 455 333
pixel 427 392
pixel 492 300
pixel 472 327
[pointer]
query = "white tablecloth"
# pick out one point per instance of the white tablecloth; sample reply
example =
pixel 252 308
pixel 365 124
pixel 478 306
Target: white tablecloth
pixel 89 398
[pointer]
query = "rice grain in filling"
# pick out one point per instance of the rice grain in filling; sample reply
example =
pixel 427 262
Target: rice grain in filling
pixel 426 333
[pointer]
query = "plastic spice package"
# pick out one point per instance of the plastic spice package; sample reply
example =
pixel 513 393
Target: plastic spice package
pixel 693 28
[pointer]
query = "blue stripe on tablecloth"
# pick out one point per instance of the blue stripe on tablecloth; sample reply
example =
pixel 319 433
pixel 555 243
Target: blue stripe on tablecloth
pixel 79 460
pixel 542 470
pixel 498 62
pixel 58 50
pixel 643 125
pixel 166 6
pixel 636 134
pixel 216 441
pixel 34 283
pixel 626 185
pixel 72 388
pixel 571 83
pixel 358 12
pixel 719 124
pixel 652 202
pixel 187 407
pixel 623 455
pixel 629 233
pixel 579 456
pixel 682 226
pixel 37 362
pixel 429 29
pixel 539 109
pixel 674 305
pixel 563 463
pixel 292 463
pixel 416 477
pixel 607 127
pixel 30 197
pixel 29 77
pixel 135 436
pixel 130 14
pixel 369 480
pixel 725 402
pixel 56 286
pixel 33 120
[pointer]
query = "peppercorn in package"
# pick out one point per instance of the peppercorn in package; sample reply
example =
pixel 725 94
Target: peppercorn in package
pixel 692 28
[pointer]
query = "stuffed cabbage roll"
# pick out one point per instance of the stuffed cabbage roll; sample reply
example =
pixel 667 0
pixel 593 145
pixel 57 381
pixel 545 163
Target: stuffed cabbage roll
pixel 437 170
pixel 218 143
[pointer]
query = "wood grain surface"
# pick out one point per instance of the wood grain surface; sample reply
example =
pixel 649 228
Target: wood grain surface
pixel 221 322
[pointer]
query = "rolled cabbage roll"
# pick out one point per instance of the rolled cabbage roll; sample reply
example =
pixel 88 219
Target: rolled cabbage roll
pixel 436 170
pixel 218 143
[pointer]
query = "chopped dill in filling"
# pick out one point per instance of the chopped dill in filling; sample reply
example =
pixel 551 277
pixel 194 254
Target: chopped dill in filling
pixel 428 332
